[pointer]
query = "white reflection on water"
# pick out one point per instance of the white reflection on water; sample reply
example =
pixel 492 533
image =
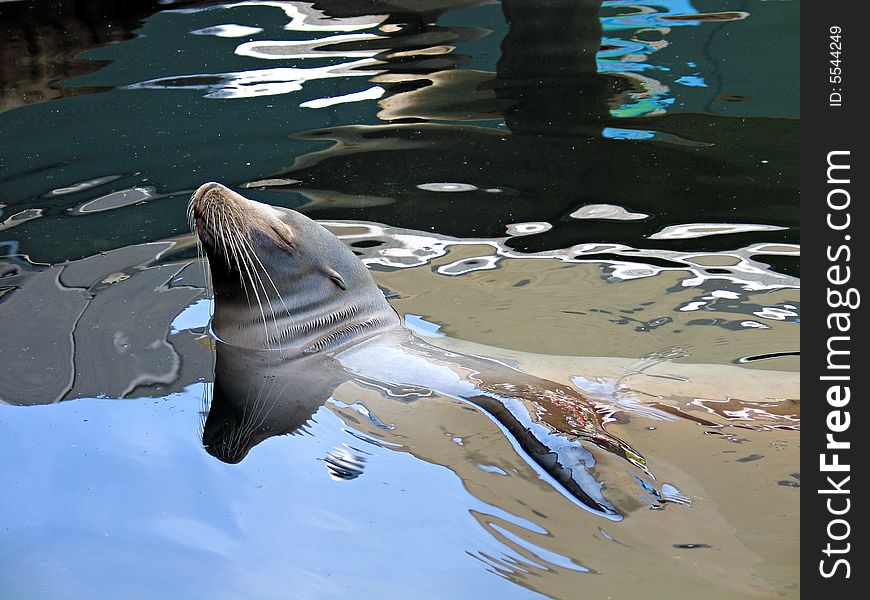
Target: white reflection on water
pixel 228 31
pixel 540 552
pixel 303 17
pixel 403 248
pixel 373 93
pixel 283 50
pixel 776 313
pixel 530 228
pixel 20 217
pixel 447 187
pixel 260 82
pixel 469 265
pixel 606 211
pixel 696 230
pixel 116 200
pixel 284 80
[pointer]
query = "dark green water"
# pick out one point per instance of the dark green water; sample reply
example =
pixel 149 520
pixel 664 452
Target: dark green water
pixel 617 178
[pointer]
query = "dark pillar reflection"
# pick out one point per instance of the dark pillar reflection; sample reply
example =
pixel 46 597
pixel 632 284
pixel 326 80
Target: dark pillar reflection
pixel 442 122
pixel 548 68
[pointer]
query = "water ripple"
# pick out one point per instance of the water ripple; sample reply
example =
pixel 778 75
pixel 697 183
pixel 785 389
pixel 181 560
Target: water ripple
pixel 404 248
pixel 260 82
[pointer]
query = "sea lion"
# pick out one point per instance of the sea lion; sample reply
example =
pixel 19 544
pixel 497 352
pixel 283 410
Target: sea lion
pixel 296 313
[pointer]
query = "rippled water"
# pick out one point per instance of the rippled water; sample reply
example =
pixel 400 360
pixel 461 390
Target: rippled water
pixel 602 194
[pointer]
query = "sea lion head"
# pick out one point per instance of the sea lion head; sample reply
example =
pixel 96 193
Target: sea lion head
pixel 274 270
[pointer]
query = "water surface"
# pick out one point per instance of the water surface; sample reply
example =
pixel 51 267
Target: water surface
pixel 602 194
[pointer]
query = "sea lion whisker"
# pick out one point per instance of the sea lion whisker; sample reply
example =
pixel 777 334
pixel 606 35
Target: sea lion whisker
pixel 254 285
pixel 258 410
pixel 234 256
pixel 217 228
pixel 233 234
pixel 230 443
pixel 236 439
pixel 221 230
pixel 200 250
pixel 213 228
pixel 206 275
pixel 237 256
pixel 204 407
pixel 275 397
pixel 253 254
pixel 189 209
pixel 191 220
pixel 191 214
pixel 244 246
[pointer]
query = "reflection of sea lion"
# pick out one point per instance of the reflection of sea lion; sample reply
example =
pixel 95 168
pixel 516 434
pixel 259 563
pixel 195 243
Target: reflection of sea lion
pixel 261 393
pixel 298 313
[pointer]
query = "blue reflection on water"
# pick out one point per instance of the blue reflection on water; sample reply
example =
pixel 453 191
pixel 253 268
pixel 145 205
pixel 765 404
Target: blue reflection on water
pixel 635 34
pixel 692 81
pixel 616 133
pixel 146 512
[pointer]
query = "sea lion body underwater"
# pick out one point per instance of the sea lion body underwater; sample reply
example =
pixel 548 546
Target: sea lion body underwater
pixel 297 313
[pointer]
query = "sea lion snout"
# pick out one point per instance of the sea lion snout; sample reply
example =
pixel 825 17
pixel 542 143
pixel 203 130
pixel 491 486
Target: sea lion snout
pixel 213 192
pixel 223 219
pixel 196 201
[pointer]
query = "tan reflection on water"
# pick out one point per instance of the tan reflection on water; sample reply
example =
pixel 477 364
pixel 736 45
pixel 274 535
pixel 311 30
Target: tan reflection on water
pixel 568 309
pixel 741 481
pixel 739 510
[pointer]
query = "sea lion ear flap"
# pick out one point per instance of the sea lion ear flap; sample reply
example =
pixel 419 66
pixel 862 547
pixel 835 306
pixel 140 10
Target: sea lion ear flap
pixel 336 278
